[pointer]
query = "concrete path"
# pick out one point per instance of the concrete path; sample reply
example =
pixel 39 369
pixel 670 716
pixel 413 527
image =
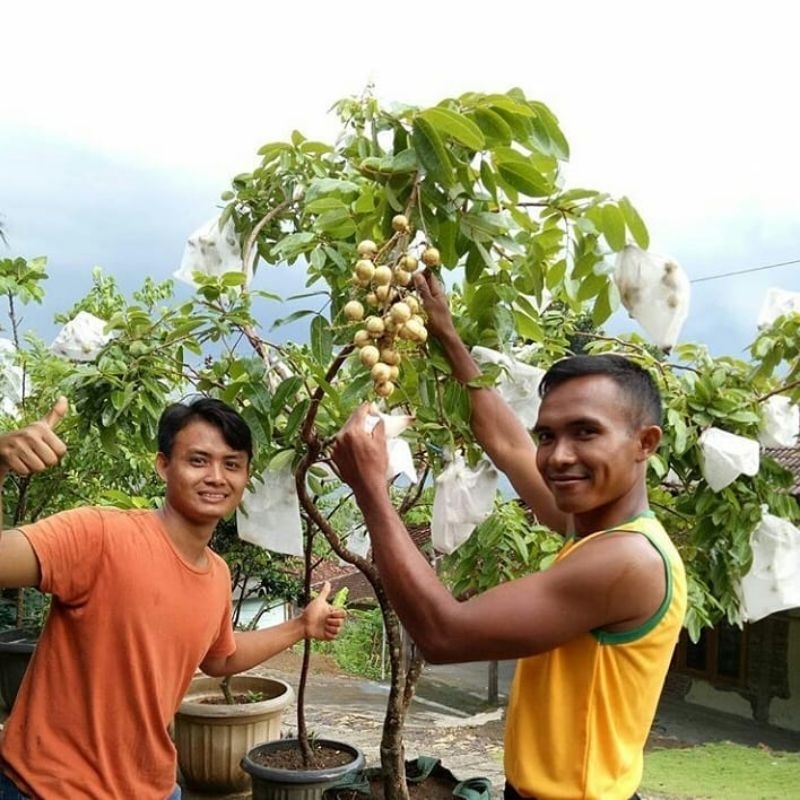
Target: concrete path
pixel 450 719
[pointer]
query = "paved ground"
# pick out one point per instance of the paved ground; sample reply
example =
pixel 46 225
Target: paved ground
pixel 450 719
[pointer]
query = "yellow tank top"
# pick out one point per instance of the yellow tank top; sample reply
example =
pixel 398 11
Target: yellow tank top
pixel 578 716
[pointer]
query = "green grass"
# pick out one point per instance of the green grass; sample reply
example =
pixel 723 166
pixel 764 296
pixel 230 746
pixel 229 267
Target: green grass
pixel 721 771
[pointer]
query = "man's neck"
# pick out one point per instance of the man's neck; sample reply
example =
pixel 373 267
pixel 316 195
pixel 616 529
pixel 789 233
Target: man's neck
pixel 189 539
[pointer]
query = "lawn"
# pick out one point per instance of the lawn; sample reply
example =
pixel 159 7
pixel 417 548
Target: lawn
pixel 721 771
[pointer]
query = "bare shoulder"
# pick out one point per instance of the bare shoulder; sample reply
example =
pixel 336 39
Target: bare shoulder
pixel 629 571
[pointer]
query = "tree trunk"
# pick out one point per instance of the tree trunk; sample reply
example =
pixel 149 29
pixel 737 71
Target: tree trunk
pixel 392 749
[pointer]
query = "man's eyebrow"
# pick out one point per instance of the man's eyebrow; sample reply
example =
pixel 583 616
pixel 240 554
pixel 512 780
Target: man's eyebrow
pixel 572 423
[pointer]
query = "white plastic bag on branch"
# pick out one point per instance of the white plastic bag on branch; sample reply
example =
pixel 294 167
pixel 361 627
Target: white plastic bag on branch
pixel 269 514
pixel 401 462
pixel 11 380
pixel 212 251
pixel 358 541
pixel 780 422
pixel 777 302
pixel 82 338
pixel 464 498
pixel 518 383
pixel 773 582
pixel 655 291
pixel 726 455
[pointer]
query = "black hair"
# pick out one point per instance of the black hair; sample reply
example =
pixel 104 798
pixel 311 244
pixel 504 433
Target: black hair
pixel 635 382
pixel 235 431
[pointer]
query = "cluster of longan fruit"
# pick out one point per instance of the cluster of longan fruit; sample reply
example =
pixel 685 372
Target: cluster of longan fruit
pixel 389 311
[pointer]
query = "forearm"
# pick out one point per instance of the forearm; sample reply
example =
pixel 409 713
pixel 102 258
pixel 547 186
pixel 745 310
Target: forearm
pixel 425 607
pixel 255 647
pixel 502 436
pixel 492 421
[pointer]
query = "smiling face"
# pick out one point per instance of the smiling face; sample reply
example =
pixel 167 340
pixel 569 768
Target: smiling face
pixel 593 453
pixel 204 476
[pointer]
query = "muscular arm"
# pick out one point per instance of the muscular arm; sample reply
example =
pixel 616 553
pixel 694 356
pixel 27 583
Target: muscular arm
pixel 319 620
pixel 496 427
pixel 615 582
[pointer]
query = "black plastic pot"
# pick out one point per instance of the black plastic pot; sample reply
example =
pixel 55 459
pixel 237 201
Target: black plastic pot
pixel 270 783
pixel 16 649
pixel 418 770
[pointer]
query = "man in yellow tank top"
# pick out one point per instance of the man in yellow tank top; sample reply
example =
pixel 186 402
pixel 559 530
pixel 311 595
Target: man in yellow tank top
pixel 594 633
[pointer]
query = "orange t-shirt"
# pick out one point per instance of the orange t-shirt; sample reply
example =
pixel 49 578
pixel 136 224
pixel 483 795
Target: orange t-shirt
pixel 579 715
pixel 130 622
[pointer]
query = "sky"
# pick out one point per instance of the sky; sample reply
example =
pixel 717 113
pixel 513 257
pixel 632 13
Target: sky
pixel 122 123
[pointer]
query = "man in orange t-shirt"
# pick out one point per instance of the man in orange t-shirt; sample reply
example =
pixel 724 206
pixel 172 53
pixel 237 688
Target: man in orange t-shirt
pixel 139 602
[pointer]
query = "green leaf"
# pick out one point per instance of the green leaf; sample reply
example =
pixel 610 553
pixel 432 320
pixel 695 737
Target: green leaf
pixel 528 326
pixel 635 223
pixel 281 460
pixel 494 127
pixel 520 174
pixel 287 389
pixel 431 151
pixel 321 339
pixel 613 227
pixel 591 286
pixel 558 143
pixel 488 178
pixel 603 306
pixel 455 125
pixel 295 419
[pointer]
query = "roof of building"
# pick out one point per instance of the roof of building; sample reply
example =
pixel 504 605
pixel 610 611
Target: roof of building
pixel 788 457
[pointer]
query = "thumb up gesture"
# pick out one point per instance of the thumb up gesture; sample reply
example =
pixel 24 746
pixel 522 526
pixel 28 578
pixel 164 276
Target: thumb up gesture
pixel 36 446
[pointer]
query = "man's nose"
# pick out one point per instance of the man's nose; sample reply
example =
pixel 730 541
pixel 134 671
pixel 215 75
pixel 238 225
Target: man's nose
pixel 214 473
pixel 562 452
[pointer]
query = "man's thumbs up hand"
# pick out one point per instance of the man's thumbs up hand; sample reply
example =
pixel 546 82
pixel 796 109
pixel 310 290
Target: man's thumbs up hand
pixel 35 447
pixel 56 413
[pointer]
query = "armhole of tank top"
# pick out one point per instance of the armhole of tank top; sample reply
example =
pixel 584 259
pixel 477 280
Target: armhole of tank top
pixel 623 637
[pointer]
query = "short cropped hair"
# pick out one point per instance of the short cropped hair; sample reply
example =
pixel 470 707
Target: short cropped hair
pixel 636 383
pixel 175 417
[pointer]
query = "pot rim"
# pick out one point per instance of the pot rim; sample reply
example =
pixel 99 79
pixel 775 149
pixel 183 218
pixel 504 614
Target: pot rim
pixel 192 705
pixel 293 776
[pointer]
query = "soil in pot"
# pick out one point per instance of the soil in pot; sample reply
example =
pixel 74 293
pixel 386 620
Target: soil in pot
pixel 434 787
pixel 325 756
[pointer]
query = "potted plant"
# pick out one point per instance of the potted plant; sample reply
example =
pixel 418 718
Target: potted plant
pixel 216 725
pixel 277 773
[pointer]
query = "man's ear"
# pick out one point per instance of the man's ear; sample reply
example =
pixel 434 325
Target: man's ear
pixel 649 440
pixel 161 465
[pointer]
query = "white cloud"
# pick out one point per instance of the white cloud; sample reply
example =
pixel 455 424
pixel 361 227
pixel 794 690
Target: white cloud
pixel 685 107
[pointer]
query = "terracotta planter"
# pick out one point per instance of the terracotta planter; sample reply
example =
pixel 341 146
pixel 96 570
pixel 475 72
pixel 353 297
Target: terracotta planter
pixel 272 783
pixel 212 738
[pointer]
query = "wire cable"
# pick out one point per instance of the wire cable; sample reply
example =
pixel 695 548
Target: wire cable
pixel 745 271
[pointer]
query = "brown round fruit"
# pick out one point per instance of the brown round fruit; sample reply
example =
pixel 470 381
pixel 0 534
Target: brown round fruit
pixel 374 325
pixel 381 372
pixel 354 311
pixel 382 275
pixel 367 248
pixel 368 355
pixel 400 223
pixel 384 389
pixel 365 269
pixel 400 312
pixel 361 338
pixel 431 257
pixel 409 263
